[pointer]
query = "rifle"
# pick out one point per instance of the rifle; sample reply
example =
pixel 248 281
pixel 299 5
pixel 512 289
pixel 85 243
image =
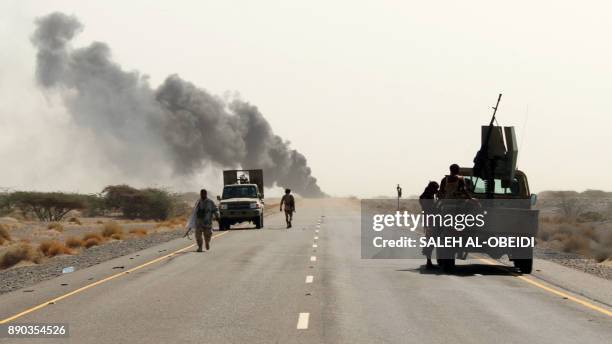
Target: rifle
pixel 187 233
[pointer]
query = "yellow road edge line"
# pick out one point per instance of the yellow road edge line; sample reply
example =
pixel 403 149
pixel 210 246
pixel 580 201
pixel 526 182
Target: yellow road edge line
pixel 554 291
pixel 91 285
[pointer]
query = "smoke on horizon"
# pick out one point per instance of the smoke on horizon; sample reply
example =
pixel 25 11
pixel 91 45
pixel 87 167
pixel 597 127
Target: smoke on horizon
pixel 178 125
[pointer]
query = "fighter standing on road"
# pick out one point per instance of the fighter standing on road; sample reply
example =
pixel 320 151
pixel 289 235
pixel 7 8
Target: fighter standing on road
pixel 201 219
pixel 427 200
pixel 453 186
pixel 289 202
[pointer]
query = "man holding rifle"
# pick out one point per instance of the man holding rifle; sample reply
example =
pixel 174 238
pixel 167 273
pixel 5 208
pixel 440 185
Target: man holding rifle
pixel 204 211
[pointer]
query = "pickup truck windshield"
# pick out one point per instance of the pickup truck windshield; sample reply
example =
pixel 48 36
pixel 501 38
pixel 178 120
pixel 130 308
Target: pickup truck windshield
pixel 246 191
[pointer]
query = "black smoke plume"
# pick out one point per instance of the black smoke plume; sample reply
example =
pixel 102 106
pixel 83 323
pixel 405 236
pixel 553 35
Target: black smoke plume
pixel 178 123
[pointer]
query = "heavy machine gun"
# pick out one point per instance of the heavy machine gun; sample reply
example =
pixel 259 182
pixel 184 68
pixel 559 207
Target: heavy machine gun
pixel 496 158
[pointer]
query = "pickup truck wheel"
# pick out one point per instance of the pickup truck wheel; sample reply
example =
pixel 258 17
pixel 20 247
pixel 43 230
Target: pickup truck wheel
pixel 258 222
pixel 524 265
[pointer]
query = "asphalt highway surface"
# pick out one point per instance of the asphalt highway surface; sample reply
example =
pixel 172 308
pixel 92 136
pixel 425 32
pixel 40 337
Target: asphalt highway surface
pixel 308 284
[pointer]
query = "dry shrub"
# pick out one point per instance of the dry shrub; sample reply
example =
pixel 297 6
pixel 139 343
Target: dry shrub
pixel 607 240
pixel 603 250
pixel 575 243
pixel 74 242
pixel 100 222
pixel 75 221
pixel 18 253
pixel 589 233
pixel 52 248
pixel 92 236
pixel 111 228
pixel 93 241
pixel 176 221
pixel 591 216
pixel 4 234
pixel 553 219
pixel 117 236
pixel 140 232
pixel 545 232
pixel 56 226
pixel 602 253
pixel 163 224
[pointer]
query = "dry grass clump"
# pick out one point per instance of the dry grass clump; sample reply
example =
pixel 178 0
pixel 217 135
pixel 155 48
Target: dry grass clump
pixel 74 242
pixel 92 236
pixel 18 253
pixel 92 239
pixel 5 236
pixel 603 250
pixel 100 222
pixel 117 236
pixel 575 237
pixel 171 222
pixel 111 229
pixel 52 248
pixel 56 226
pixel 75 221
pixel 91 242
pixel 139 232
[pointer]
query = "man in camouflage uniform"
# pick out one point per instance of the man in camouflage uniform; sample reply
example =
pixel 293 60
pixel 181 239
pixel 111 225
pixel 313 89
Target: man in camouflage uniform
pixel 289 203
pixel 204 211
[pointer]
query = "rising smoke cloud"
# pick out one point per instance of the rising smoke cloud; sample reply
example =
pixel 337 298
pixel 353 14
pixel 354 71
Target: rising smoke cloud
pixel 177 124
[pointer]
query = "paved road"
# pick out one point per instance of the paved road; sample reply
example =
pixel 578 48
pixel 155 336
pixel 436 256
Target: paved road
pixel 254 287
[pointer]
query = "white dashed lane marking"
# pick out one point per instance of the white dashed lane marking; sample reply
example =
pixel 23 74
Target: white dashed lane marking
pixel 309 278
pixel 315 245
pixel 313 258
pixel 302 323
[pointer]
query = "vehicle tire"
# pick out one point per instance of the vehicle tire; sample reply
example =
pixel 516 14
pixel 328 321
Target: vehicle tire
pixel 223 225
pixel 258 222
pixel 524 265
pixel 447 265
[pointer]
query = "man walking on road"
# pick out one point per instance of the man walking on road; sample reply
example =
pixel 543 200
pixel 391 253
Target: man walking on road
pixel 201 219
pixel 289 202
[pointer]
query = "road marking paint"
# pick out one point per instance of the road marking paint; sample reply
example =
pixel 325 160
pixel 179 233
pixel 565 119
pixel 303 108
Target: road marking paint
pixel 554 291
pixel 302 323
pixel 315 245
pixel 91 285
pixel 309 278
pixel 316 231
pixel 316 238
pixel 313 258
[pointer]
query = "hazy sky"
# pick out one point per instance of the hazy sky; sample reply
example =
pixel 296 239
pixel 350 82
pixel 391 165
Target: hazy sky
pixel 374 93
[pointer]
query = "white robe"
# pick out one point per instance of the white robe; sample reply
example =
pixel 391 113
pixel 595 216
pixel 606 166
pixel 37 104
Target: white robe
pixel 191 222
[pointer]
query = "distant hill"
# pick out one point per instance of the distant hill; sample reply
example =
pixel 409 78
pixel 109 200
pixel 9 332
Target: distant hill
pixel 590 194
